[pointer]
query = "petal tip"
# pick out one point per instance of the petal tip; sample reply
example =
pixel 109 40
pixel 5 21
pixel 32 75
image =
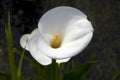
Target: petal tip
pixel 24 40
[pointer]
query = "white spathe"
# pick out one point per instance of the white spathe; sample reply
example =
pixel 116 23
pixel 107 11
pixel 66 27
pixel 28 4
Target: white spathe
pixel 72 27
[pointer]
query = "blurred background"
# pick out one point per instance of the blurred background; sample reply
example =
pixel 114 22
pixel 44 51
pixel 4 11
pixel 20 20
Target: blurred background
pixel 103 14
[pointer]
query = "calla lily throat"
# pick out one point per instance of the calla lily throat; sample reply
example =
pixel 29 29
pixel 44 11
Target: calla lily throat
pixel 56 42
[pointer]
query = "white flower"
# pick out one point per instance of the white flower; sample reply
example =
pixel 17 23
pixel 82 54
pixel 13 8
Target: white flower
pixel 62 33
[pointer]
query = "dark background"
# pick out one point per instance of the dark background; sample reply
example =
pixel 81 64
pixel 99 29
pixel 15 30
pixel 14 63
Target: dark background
pixel 103 14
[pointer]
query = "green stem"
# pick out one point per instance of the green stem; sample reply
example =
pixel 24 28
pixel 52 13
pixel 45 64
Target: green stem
pixel 73 65
pixel 18 52
pixel 54 71
pixel 20 65
pixel 61 69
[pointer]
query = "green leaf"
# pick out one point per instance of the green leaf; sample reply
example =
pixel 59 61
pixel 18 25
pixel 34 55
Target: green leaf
pixel 18 52
pixel 115 75
pixel 83 77
pixel 40 72
pixel 10 49
pixel 80 72
pixel 99 77
pixel 5 76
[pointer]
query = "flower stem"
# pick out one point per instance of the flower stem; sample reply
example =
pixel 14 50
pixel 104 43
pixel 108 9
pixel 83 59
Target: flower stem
pixel 54 71
pixel 20 65
pixel 73 65
pixel 61 69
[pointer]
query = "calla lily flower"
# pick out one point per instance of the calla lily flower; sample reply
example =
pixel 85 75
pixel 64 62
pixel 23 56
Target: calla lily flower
pixel 62 33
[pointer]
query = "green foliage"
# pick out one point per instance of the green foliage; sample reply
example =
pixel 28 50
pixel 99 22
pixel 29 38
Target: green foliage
pixel 18 52
pixel 5 76
pixel 99 77
pixel 10 49
pixel 20 64
pixel 115 75
pixel 79 73
pixel 52 71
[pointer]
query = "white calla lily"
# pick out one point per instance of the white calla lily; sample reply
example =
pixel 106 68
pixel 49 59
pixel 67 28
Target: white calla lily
pixel 62 33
